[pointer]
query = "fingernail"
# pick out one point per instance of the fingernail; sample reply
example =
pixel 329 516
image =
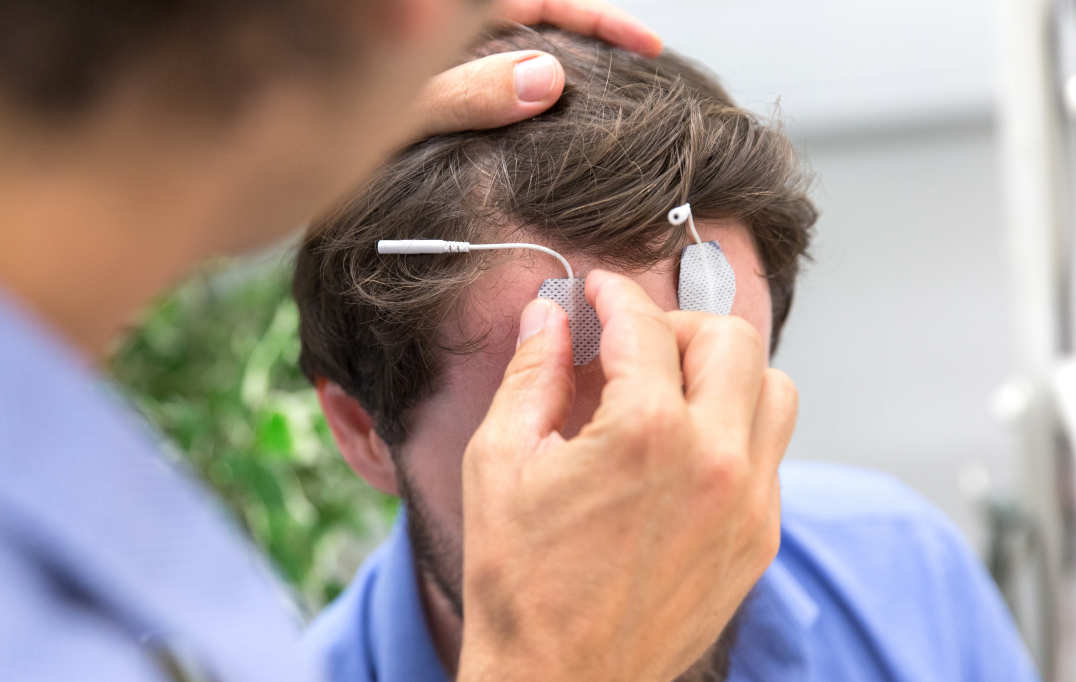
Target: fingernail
pixel 534 78
pixel 533 319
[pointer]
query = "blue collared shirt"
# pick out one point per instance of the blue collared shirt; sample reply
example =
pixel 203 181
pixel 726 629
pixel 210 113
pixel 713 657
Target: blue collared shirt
pixel 113 565
pixel 871 583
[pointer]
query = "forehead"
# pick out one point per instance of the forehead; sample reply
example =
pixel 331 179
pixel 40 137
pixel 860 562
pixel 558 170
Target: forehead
pixel 489 310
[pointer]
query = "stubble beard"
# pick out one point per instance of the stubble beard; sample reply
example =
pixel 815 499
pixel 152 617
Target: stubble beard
pixel 440 561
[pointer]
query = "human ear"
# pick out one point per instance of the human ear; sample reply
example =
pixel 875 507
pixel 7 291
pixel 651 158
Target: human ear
pixel 353 430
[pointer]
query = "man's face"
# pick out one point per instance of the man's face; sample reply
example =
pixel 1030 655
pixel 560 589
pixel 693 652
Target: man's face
pixel 429 462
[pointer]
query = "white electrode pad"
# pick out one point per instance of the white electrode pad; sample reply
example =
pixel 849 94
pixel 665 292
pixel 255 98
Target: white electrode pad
pixel 582 318
pixel 707 281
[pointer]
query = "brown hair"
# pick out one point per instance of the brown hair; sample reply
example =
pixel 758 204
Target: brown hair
pixel 595 175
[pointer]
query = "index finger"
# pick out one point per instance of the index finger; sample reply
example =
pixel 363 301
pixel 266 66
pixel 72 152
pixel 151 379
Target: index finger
pixel 587 17
pixel 724 360
pixel 638 345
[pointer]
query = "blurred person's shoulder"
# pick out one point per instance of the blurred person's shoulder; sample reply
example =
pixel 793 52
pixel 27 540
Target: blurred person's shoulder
pixel 48 633
pixel 112 558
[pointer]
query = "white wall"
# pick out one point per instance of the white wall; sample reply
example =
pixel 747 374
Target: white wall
pixel 899 335
pixel 847 62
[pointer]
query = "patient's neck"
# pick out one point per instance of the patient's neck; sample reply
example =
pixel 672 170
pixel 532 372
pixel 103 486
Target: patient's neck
pixel 446 626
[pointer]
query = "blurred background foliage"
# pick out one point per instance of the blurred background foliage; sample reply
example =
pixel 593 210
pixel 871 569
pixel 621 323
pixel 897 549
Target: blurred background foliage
pixel 214 365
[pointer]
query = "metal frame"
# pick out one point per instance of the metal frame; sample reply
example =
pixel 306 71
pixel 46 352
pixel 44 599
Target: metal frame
pixel 1033 137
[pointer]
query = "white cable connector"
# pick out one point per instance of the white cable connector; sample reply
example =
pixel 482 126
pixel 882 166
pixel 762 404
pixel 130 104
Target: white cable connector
pixel 682 214
pixel 677 216
pixel 438 246
pixel 419 246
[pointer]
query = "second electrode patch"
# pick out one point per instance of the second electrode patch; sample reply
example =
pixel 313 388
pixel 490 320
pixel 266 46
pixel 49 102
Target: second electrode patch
pixel 707 283
pixel 707 280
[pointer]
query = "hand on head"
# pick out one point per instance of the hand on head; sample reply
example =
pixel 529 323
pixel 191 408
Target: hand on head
pixel 658 517
pixel 505 88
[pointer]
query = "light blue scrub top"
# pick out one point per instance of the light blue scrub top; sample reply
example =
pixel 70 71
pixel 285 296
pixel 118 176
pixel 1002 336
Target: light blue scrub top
pixel 114 566
pixel 871 583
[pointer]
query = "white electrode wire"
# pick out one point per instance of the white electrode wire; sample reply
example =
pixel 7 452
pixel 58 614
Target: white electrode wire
pixel 532 247
pixel 679 215
pixel 694 232
pixel 438 246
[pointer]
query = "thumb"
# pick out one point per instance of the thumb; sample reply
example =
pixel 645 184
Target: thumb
pixel 490 92
pixel 539 384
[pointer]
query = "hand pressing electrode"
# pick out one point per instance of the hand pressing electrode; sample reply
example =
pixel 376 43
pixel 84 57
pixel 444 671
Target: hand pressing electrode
pixel 689 435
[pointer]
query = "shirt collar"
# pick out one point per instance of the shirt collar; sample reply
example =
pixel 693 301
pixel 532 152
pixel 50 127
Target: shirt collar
pixel 401 641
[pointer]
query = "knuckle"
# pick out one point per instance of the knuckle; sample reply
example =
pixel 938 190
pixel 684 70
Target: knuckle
pixel 783 388
pixel 635 434
pixel 781 398
pixel 653 427
pixel 730 331
pixel 744 332
pixel 637 439
pixel 711 328
pixel 724 474
pixel 662 415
